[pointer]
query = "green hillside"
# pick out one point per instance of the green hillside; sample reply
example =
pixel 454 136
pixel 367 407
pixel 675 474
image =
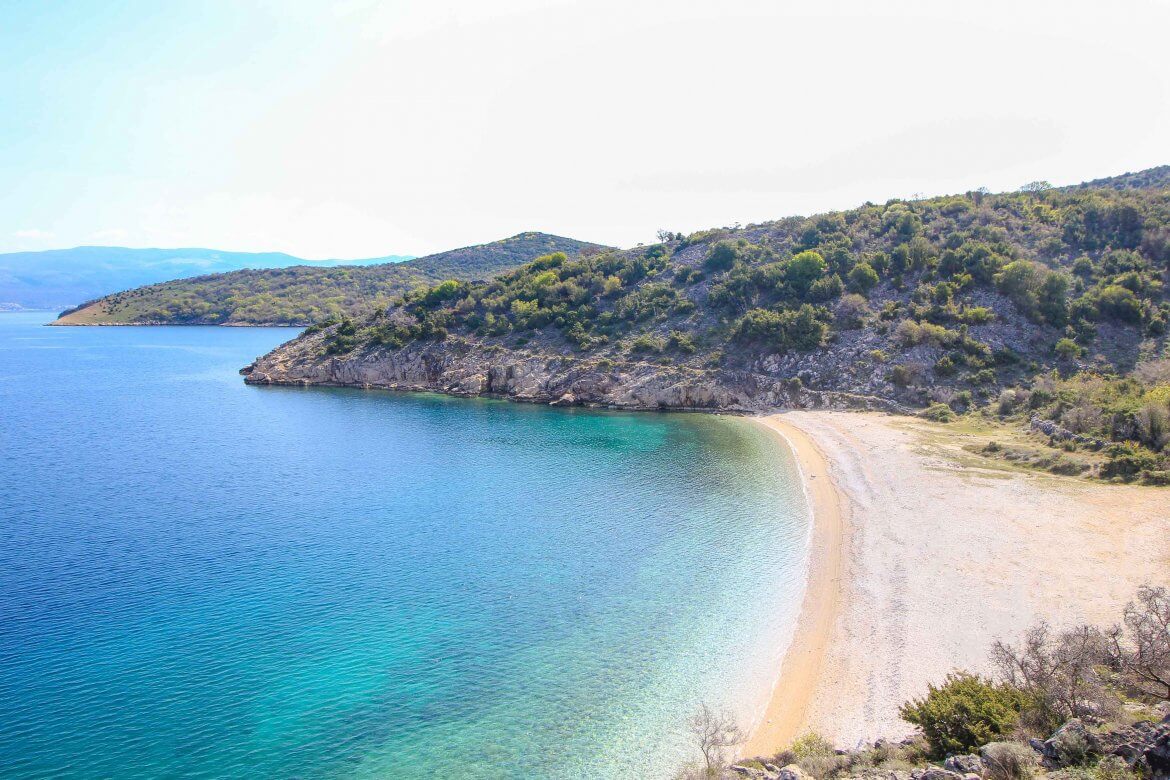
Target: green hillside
pixel 1046 306
pixel 300 295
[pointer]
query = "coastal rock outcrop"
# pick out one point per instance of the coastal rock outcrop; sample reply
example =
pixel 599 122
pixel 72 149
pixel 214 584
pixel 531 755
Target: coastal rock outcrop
pixel 458 367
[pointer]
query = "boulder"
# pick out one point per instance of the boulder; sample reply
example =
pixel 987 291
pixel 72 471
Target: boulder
pixel 964 765
pixel 792 772
pixel 1070 745
pixel 1157 755
pixel 1129 742
pixel 934 773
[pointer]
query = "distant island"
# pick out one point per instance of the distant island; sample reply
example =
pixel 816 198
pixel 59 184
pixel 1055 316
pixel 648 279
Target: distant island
pixel 308 294
pixel 1046 306
pixel 55 279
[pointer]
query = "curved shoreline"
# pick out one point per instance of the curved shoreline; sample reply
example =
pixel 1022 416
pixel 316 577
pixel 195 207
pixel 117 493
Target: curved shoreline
pixel 921 557
pixel 792 691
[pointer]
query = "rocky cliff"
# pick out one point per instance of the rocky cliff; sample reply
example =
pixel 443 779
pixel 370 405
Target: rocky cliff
pixel 462 367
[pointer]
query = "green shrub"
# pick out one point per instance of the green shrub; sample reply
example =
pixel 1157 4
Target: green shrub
pixel 909 333
pixel 803 270
pixel 721 256
pixel 1119 303
pixel 782 330
pixel 966 711
pixel 863 278
pixel 1067 349
pixel 826 288
pixel 945 366
pixel 646 343
pixel 681 341
pixel 811 744
pixel 939 413
pixel 976 315
pixel 816 756
pixel 1127 461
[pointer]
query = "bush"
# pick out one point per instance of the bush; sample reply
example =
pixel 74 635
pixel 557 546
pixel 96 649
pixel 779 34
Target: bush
pixel 721 257
pixel 1127 461
pixel 852 312
pixel 945 366
pixel 1007 761
pixel 803 270
pixel 939 413
pixel 1121 304
pixel 1067 349
pixel 646 343
pixel 905 374
pixel 681 341
pixel 863 278
pixel 816 756
pixel 909 333
pixel 782 330
pixel 826 288
pixel 966 711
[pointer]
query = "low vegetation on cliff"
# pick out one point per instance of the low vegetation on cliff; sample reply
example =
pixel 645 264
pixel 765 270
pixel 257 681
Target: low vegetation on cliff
pixel 302 295
pixel 1042 302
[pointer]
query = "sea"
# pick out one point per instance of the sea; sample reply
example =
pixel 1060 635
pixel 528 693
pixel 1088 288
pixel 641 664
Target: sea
pixel 202 579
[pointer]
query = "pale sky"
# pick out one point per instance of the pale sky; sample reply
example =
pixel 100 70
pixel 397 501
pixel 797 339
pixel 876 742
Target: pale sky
pixel 352 129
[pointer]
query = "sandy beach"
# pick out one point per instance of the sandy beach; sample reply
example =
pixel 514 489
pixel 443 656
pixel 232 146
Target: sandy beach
pixel 921 558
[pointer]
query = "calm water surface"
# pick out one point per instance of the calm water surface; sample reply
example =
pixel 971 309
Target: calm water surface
pixel 204 579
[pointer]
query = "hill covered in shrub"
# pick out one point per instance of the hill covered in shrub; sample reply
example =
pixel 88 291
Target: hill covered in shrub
pixel 302 295
pixel 945 303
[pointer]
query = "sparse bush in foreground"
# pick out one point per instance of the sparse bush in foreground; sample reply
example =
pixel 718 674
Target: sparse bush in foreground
pixel 1141 647
pixel 1007 761
pixel 1058 672
pixel 714 733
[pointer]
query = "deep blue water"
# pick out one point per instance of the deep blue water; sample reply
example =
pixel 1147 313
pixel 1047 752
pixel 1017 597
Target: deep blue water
pixel 204 579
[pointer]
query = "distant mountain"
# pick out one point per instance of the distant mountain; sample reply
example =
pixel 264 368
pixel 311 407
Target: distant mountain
pixel 303 294
pixel 59 278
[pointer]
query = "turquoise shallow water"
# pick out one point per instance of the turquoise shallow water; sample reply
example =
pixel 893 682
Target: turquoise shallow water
pixel 203 579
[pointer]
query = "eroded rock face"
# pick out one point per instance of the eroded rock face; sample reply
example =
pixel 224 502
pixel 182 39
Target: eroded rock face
pixel 458 368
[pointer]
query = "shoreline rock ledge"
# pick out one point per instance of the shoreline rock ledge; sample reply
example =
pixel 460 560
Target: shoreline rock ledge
pixel 462 368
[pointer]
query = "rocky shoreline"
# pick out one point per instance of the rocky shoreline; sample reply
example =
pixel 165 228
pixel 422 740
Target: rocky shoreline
pixel 462 368
pixel 1143 747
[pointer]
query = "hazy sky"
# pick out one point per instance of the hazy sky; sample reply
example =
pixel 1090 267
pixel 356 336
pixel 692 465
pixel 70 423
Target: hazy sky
pixel 346 129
